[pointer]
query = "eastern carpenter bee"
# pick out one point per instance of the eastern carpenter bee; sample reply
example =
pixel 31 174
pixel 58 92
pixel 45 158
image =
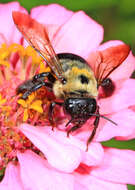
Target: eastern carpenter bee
pixel 71 79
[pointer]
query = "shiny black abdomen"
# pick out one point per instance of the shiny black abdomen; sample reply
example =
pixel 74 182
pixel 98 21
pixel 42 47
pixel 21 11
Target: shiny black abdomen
pixel 80 108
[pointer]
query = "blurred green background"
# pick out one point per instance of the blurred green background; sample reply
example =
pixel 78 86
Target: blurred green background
pixel 118 20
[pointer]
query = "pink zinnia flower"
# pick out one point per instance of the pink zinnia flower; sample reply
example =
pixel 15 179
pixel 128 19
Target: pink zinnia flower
pixel 37 157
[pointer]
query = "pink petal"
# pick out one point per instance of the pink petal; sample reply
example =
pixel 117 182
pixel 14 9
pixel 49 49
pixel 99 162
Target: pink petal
pixel 78 186
pixel 69 157
pixel 8 29
pixel 123 98
pixel 37 174
pixel 129 137
pixel 11 179
pixel 108 44
pixel 117 166
pixel 93 183
pixel 51 14
pixel 125 120
pixel 92 157
pixel 79 35
pixel 2 39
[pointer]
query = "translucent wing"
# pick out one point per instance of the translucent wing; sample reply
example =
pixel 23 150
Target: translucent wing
pixel 106 61
pixel 36 35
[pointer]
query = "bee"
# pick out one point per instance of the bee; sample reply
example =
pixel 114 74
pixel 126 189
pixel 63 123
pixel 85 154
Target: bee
pixel 71 79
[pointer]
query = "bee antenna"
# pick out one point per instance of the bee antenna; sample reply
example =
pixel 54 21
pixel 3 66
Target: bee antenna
pixel 97 115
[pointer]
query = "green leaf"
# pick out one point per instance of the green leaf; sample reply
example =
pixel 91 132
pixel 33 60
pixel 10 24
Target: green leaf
pixel 120 144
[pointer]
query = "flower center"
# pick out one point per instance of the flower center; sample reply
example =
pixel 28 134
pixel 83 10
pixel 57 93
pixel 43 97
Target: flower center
pixel 18 64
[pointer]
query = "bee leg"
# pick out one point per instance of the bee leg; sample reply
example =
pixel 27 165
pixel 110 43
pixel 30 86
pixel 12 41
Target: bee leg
pixel 49 76
pixel 70 121
pixel 36 87
pixel 96 122
pixel 74 128
pixel 35 83
pixel 50 114
pixel 51 110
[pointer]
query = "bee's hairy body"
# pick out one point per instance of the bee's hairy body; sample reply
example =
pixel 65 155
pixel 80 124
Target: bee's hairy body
pixel 80 80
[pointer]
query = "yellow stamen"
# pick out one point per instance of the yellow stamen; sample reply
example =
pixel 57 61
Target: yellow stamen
pixel 22 102
pixel 37 106
pixel 2 100
pixel 25 115
pixel 16 48
pixel 29 51
pixel 43 68
pixel 5 63
pixel 30 103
